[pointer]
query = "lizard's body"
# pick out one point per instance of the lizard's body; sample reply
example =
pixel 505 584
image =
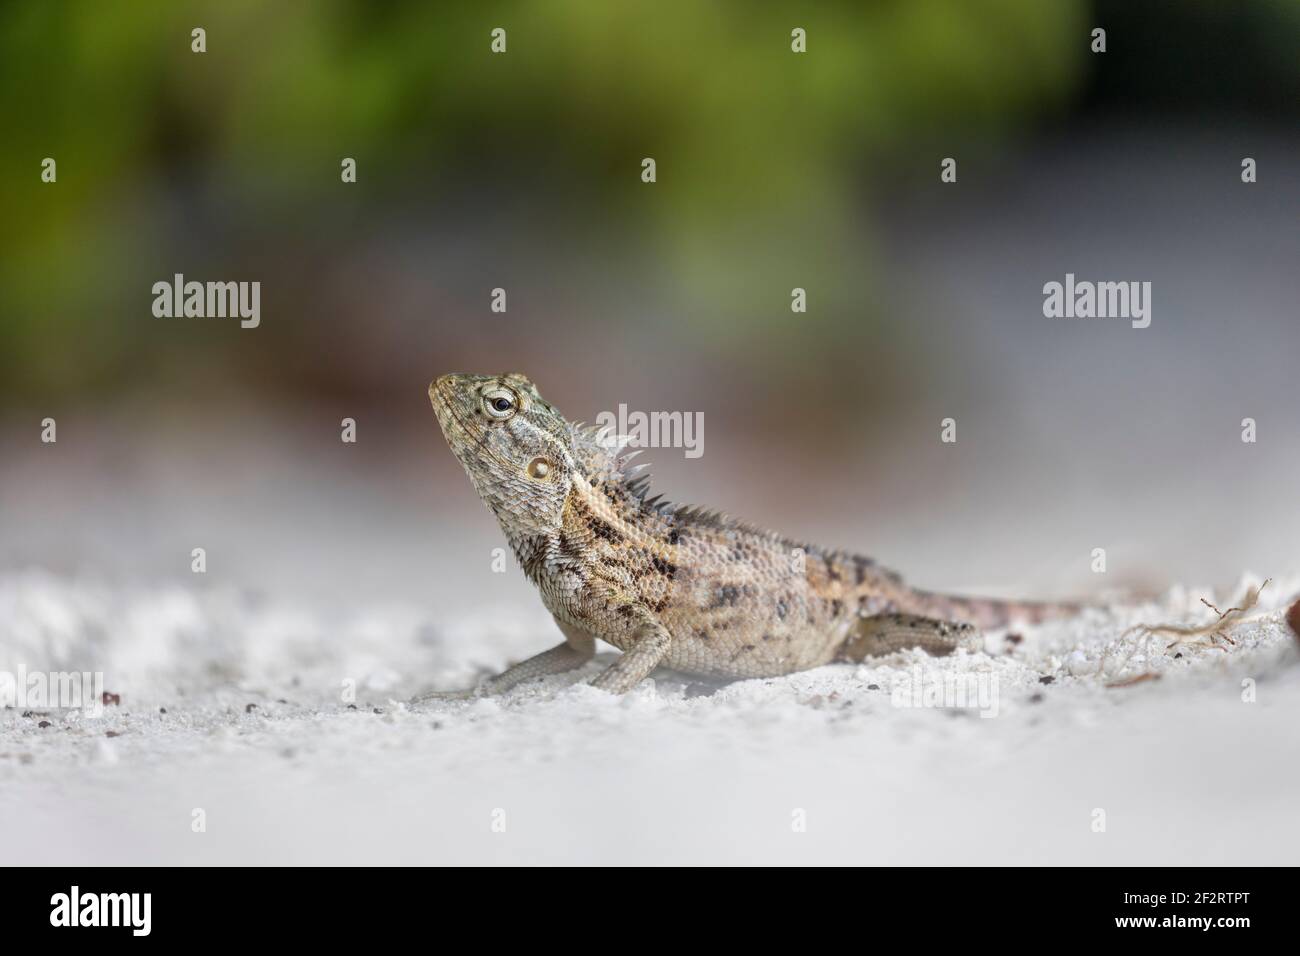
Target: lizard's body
pixel 689 589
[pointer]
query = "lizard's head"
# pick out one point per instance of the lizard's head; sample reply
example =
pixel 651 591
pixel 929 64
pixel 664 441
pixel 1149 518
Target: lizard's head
pixel 516 448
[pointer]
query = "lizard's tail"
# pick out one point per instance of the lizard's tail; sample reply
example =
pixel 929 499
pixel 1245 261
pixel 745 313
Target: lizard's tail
pixel 986 612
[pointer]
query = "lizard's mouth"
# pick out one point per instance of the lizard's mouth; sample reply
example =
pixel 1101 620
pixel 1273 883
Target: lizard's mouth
pixel 454 428
pixel 440 397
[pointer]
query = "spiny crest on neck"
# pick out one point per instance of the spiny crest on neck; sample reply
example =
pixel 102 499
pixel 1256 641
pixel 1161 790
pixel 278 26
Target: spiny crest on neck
pixel 605 462
pixel 602 458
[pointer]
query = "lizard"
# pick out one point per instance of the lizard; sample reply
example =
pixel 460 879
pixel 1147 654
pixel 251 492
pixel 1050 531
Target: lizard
pixel 670 585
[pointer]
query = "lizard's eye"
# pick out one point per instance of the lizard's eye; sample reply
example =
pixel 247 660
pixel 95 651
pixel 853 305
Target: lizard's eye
pixel 500 404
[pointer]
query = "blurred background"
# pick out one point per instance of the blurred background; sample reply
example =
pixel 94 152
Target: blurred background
pixel 774 171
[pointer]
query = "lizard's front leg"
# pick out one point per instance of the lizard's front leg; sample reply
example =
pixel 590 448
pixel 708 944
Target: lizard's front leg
pixel 578 648
pixel 886 633
pixel 649 646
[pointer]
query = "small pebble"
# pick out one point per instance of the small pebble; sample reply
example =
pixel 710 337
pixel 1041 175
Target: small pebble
pixel 1077 663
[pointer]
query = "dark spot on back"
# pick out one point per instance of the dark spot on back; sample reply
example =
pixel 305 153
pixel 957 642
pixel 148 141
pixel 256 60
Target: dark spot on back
pixel 666 568
pixel 604 530
pixel 726 596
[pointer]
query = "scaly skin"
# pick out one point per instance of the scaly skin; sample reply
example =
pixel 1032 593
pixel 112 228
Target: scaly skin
pixel 674 586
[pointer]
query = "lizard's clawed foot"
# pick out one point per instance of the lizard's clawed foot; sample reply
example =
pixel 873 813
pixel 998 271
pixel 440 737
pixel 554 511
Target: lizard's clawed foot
pixel 557 660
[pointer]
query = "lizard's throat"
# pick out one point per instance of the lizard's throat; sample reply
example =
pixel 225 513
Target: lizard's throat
pixel 519 517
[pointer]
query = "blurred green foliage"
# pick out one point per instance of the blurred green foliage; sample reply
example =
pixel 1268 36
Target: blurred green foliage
pixel 163 153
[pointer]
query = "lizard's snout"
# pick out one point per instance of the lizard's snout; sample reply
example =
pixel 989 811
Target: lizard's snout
pixel 440 394
pixel 450 396
pixel 444 388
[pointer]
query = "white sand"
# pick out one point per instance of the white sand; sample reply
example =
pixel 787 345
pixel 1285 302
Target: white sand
pixel 1185 771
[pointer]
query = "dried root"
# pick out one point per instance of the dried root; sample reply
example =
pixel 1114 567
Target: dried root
pixel 1203 635
pixel 1216 630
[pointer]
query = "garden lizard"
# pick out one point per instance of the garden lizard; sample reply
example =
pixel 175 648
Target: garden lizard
pixel 677 586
